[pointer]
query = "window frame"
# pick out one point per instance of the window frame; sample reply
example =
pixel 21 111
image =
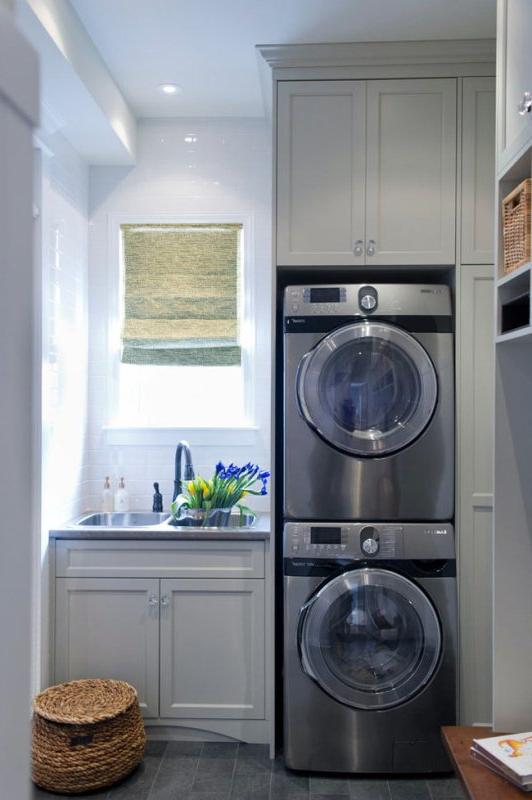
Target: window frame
pixel 114 432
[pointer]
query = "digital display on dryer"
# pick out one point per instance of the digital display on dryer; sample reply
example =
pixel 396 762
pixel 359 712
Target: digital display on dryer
pixel 325 535
pixel 325 294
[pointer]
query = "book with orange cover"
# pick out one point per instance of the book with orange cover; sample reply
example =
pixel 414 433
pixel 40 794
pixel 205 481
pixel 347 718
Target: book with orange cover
pixel 511 754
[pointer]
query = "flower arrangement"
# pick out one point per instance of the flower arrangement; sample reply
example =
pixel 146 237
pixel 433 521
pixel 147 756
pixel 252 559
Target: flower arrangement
pixel 224 490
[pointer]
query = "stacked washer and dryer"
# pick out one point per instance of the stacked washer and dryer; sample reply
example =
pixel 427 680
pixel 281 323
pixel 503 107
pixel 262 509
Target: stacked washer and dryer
pixel 370 610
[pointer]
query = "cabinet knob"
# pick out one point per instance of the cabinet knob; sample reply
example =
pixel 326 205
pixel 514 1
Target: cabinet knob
pixel 358 248
pixel 165 600
pixel 525 106
pixel 153 600
pixel 371 249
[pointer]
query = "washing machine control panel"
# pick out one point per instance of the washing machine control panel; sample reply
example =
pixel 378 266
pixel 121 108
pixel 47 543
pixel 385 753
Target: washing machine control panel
pixel 370 541
pixel 315 540
pixel 356 541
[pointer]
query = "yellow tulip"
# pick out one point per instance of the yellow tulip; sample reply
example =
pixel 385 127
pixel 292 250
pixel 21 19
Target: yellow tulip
pixel 191 487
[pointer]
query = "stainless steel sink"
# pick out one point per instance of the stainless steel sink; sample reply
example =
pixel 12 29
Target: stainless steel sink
pixel 119 519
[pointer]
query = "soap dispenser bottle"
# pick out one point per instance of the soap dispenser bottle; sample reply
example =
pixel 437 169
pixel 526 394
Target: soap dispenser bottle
pixel 107 496
pixel 121 497
pixel 157 499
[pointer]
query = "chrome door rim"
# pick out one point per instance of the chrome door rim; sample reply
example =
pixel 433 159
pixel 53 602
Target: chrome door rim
pixel 366 443
pixel 316 667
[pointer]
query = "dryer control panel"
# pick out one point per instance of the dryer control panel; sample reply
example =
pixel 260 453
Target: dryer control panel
pixel 363 299
pixel 386 541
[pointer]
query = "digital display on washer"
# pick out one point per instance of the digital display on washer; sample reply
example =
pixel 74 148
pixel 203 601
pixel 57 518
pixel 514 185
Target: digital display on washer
pixel 326 535
pixel 325 295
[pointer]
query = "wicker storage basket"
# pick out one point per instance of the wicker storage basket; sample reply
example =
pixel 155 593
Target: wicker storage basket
pixel 516 226
pixel 86 735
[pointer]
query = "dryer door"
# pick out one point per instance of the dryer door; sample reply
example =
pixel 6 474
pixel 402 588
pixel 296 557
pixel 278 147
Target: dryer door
pixel 370 638
pixel 368 388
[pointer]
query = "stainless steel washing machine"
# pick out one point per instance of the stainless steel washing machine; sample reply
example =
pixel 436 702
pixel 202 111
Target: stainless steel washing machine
pixel 370 641
pixel 368 402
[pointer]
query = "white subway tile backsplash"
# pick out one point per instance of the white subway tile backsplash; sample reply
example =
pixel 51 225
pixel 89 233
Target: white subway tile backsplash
pixel 64 220
pixel 226 171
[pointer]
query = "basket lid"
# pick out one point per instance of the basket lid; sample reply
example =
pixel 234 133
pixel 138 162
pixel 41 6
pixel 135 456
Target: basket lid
pixel 85 701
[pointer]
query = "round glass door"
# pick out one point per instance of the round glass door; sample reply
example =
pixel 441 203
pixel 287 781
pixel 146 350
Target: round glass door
pixel 368 388
pixel 370 638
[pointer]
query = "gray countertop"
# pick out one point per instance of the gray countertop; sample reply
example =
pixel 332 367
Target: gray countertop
pixel 164 532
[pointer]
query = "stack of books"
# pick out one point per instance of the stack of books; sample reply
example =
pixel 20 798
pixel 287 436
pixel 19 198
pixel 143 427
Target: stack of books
pixel 509 756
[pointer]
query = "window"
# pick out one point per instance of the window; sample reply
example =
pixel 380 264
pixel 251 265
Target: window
pixel 183 359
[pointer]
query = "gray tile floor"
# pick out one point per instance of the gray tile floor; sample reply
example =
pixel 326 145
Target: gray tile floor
pixel 225 771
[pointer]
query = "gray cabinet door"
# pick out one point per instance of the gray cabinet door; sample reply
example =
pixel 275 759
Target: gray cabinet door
pixel 475 481
pixel 411 172
pixel 478 170
pixel 321 166
pixel 212 649
pixel 109 628
pixel 514 77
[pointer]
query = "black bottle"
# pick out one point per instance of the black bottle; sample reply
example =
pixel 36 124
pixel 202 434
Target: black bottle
pixel 157 499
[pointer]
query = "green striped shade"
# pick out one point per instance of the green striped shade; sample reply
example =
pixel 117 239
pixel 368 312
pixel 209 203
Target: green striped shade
pixel 181 286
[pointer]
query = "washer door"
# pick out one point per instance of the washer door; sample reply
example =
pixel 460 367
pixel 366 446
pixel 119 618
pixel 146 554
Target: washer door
pixel 370 638
pixel 368 388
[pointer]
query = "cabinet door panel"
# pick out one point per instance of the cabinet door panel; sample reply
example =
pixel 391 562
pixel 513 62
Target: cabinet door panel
pixel 514 68
pixel 212 649
pixel 478 170
pixel 320 172
pixel 411 166
pixel 106 628
pixel 476 406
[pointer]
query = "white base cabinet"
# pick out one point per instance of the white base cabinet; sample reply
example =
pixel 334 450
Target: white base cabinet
pixel 109 628
pixel 212 649
pixel 190 636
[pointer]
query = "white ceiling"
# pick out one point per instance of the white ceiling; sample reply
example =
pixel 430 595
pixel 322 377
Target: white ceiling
pixel 207 46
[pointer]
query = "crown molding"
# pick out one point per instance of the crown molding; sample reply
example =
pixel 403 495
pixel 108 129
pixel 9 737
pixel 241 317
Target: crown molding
pixel 375 54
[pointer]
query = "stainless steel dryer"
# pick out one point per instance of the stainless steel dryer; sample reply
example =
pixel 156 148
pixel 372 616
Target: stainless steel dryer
pixel 368 402
pixel 370 640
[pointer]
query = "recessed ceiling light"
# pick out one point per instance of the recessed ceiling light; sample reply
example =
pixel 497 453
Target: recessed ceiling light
pixel 170 88
pixel 190 138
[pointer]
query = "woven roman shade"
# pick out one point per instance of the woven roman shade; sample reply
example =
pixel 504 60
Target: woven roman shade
pixel 181 285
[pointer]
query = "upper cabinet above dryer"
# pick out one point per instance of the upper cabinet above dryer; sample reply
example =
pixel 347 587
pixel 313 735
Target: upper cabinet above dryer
pixel 514 76
pixel 366 172
pixel 321 172
pixel 411 169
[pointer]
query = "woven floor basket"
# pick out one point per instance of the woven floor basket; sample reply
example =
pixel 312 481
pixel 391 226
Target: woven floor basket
pixel 86 735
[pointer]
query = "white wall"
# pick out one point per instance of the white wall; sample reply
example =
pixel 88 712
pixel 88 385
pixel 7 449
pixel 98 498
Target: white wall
pixel 64 221
pixel 227 171
pixel 19 467
pixel 63 239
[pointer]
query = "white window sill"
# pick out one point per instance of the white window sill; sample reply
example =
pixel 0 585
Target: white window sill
pixel 150 437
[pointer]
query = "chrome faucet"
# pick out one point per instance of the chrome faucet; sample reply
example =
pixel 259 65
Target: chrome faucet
pixel 189 468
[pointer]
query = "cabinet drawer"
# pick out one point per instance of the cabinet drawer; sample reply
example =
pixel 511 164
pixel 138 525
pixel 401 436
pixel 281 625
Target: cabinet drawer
pixel 100 559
